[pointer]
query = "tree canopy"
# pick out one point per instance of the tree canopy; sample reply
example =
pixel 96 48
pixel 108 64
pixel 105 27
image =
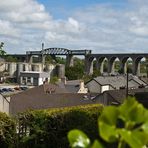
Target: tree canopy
pixel 2 51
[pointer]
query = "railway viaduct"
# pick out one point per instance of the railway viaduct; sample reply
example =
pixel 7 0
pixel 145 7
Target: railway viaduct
pixel 122 57
pixel 89 58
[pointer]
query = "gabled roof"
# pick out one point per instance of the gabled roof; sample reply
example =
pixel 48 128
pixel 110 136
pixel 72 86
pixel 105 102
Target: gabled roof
pixel 118 81
pixel 120 95
pixel 36 98
pixel 94 79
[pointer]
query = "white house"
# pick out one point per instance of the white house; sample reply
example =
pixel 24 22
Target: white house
pixel 33 78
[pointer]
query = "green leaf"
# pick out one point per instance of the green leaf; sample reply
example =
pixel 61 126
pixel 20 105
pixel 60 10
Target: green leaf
pixel 109 115
pixel 145 127
pixel 131 111
pixel 97 144
pixel 108 132
pixel 78 139
pixel 107 124
pixel 136 139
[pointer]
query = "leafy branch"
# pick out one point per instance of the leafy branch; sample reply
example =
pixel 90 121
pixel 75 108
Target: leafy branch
pixel 126 125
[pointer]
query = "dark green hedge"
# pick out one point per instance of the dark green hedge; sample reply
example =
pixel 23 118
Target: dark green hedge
pixel 7 131
pixel 49 128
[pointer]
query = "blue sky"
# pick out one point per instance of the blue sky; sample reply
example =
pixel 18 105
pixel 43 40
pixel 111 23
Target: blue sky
pixel 61 9
pixel 104 26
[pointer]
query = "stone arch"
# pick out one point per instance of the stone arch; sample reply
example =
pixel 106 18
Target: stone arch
pixel 111 62
pixel 117 63
pixel 136 65
pixel 143 66
pixel 124 64
pixel 100 64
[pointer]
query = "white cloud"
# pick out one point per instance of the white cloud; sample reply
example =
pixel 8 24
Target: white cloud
pixel 141 31
pixel 7 29
pixel 23 11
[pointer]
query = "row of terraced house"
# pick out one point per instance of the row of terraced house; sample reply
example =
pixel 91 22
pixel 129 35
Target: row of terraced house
pixel 107 90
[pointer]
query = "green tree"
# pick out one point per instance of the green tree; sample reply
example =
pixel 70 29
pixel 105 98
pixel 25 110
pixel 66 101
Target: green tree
pixel 1 45
pixel 11 59
pixel 2 52
pixel 49 60
pixel 76 71
pixel 96 73
pixel 79 62
pixel 7 131
pixel 54 79
pixel 105 66
pixel 60 60
pixel 86 78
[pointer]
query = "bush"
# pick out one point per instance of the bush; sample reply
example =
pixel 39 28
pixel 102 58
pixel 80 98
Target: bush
pixel 7 131
pixel 54 79
pixel 49 128
pixel 11 59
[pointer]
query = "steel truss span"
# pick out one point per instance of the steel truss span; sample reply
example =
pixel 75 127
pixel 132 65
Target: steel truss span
pixel 59 51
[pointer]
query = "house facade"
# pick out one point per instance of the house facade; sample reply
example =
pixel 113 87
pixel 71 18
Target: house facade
pixel 33 78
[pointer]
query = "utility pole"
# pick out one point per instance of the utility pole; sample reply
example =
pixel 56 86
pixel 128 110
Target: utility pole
pixel 42 46
pixel 43 60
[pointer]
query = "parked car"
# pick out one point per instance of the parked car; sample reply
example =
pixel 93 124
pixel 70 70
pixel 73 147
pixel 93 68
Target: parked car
pixel 23 88
pixel 17 88
pixel 11 89
pixel 5 89
pixel 1 91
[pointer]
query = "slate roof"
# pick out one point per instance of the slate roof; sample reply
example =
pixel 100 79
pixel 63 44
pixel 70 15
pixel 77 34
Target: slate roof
pixel 55 88
pixel 138 80
pixel 73 82
pixel 144 79
pixel 36 98
pixel 118 81
pixel 71 86
pixel 120 95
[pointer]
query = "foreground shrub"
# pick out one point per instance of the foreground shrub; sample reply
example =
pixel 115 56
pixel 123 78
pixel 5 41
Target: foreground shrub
pixel 7 131
pixel 48 128
pixel 126 125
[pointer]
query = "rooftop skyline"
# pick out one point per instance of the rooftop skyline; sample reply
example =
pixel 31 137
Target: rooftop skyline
pixel 104 26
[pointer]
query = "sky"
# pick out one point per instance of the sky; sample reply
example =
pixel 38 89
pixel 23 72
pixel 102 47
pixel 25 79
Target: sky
pixel 104 26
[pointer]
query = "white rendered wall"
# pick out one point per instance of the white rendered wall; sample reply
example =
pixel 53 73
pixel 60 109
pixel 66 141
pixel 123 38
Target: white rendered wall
pixel 82 88
pixel 40 81
pixel 104 88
